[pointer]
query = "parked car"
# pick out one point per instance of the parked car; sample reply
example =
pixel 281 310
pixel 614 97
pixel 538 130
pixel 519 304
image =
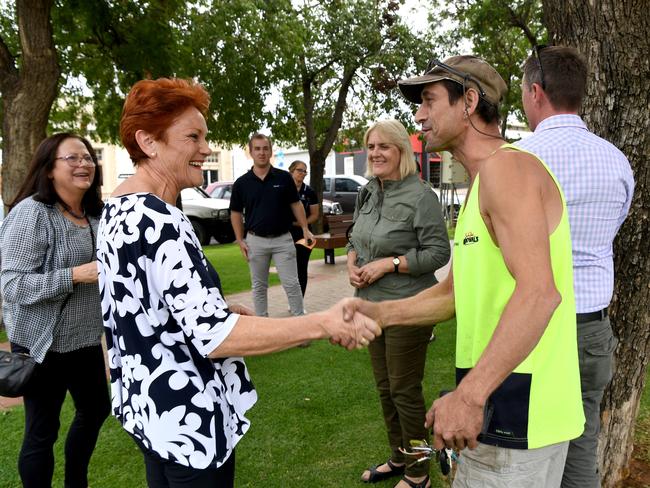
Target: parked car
pixel 343 189
pixel 223 189
pixel 331 208
pixel 220 189
pixel 210 217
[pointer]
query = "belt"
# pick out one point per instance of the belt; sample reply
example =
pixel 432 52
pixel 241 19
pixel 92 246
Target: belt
pixel 591 316
pixel 261 234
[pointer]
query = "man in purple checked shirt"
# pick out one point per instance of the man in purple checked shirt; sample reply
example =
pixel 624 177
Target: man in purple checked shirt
pixel 597 182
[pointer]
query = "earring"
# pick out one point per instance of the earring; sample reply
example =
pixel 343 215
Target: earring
pixel 153 154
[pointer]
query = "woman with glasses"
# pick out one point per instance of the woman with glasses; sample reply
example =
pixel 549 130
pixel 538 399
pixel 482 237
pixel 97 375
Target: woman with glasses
pixel 51 305
pixel 398 241
pixel 309 200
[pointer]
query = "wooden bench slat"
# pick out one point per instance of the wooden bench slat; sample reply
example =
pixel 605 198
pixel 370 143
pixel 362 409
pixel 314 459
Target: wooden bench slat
pixel 335 238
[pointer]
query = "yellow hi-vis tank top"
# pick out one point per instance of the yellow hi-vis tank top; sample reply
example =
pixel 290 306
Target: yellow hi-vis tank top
pixel 539 403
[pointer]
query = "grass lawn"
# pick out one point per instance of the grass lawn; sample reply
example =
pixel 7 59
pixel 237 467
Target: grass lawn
pixel 233 269
pixel 317 423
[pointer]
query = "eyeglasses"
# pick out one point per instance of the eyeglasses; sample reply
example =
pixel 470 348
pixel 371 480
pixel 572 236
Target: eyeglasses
pixel 434 63
pixel 75 161
pixel 303 171
pixel 536 53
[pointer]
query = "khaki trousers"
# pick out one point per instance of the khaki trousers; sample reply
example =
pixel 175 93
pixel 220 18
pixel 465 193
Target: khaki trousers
pixel 398 357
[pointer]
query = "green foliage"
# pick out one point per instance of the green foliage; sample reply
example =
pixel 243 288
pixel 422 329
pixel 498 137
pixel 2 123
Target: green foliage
pixel 343 58
pixel 501 31
pixel 110 46
pixel 242 51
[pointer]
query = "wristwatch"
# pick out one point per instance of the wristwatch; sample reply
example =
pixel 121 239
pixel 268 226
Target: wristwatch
pixel 396 262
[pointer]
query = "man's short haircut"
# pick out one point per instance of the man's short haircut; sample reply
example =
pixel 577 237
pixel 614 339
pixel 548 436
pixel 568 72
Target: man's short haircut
pixel 485 110
pixel 259 135
pixel 565 75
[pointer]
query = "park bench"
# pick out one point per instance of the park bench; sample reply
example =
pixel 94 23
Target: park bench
pixel 337 226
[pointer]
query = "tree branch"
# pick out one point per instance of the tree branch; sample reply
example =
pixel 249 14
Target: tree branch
pixel 517 21
pixel 337 118
pixel 308 105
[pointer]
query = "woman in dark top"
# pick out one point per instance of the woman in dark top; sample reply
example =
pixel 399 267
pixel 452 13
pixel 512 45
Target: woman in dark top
pixel 51 305
pixel 309 200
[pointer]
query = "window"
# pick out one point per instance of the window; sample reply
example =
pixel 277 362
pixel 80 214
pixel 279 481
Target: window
pixel 214 157
pixel 100 154
pixel 210 176
pixel 345 184
pixel 327 184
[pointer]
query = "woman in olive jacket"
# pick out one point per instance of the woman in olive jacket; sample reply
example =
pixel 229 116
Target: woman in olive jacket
pixel 398 241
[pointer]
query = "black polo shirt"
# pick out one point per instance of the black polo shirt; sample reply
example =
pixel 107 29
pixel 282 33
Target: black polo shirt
pixel 307 198
pixel 266 204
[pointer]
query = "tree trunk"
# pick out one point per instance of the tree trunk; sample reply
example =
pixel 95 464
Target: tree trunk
pixel 27 91
pixel 317 168
pixel 613 35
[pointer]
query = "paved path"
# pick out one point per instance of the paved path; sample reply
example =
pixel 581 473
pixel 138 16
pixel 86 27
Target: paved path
pixel 327 284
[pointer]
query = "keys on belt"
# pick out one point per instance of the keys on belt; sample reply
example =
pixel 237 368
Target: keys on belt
pixel 581 318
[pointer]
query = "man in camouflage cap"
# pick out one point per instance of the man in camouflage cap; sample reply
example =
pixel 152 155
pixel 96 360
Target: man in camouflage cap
pixel 517 401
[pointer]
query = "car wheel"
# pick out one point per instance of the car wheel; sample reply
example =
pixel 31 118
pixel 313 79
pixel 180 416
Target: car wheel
pixel 201 232
pixel 225 236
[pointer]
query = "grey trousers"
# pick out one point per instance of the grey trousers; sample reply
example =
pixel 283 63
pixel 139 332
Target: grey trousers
pixel 596 344
pixel 283 252
pixel 499 467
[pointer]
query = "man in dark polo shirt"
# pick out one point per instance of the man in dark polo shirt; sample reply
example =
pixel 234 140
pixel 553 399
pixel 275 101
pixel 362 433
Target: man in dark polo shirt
pixel 267 196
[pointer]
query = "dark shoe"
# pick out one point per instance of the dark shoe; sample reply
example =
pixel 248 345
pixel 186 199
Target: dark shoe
pixel 413 484
pixel 376 476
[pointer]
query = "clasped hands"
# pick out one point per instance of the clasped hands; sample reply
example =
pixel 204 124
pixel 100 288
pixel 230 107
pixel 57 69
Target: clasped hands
pixel 352 323
pixel 363 276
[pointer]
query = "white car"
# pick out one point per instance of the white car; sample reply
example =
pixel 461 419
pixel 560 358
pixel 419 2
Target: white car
pixel 210 217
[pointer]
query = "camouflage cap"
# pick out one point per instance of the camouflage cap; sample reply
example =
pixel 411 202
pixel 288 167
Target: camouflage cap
pixel 471 71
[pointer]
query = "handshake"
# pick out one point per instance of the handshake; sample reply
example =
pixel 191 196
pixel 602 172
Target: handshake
pixel 351 323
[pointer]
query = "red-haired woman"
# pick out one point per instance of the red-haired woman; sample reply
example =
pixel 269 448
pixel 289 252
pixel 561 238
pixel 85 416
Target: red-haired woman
pixel 51 305
pixel 179 386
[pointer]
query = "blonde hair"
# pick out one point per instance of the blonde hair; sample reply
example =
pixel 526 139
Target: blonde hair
pixel 396 134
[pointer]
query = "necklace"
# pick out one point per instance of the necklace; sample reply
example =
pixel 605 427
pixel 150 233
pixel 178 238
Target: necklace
pixel 74 214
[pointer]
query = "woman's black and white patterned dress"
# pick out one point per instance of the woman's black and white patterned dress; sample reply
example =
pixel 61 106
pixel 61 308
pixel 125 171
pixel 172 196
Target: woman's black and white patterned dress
pixel 163 314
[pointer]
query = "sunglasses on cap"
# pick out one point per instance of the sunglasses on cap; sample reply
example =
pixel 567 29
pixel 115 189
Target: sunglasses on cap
pixel 435 63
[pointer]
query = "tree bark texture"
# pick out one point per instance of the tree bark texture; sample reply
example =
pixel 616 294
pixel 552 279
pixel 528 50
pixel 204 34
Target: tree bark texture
pixel 28 84
pixel 613 35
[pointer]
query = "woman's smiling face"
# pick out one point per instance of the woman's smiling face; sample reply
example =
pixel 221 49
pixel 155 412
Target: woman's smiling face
pixel 384 157
pixel 72 179
pixel 185 149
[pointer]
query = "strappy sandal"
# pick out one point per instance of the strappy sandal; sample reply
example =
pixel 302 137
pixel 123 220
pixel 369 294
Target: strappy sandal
pixel 413 484
pixel 376 476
